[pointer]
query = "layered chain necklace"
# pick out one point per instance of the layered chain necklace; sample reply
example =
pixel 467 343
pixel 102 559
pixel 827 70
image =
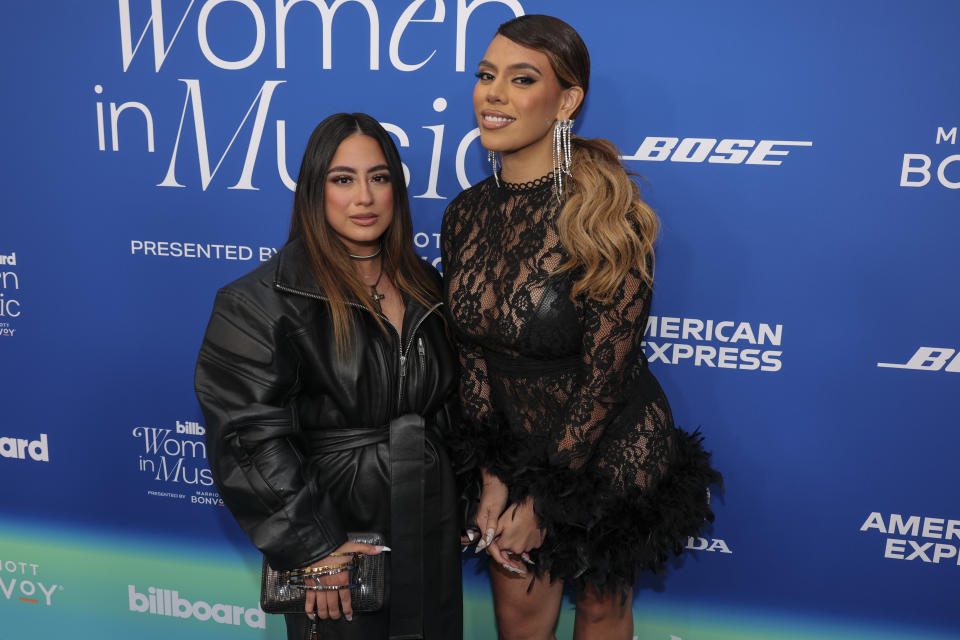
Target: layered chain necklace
pixel 374 294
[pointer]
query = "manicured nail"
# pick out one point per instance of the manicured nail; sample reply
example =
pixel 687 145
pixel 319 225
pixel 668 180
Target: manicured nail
pixel 312 616
pixel 513 569
pixel 471 535
pixel 383 548
pixel 487 539
pixel 348 616
pixel 526 558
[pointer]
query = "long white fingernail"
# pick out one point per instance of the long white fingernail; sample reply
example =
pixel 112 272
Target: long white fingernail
pixel 312 616
pixel 513 569
pixel 383 548
pixel 348 616
pixel 526 558
pixel 480 546
pixel 471 535
pixel 489 537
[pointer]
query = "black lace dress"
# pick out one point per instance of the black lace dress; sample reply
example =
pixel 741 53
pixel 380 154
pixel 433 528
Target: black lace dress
pixel 558 401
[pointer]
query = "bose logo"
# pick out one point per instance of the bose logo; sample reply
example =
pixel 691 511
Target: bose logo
pixel 929 359
pixel 728 151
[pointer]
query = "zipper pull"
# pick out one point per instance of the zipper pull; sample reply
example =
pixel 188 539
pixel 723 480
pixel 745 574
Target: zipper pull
pixel 403 366
pixel 422 353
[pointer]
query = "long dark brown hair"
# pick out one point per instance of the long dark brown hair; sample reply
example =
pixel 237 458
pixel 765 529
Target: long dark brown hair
pixel 329 259
pixel 604 226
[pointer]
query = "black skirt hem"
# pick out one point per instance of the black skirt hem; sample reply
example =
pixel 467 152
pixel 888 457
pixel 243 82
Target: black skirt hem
pixel 598 536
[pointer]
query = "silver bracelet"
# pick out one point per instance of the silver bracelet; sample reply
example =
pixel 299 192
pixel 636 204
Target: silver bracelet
pixel 333 587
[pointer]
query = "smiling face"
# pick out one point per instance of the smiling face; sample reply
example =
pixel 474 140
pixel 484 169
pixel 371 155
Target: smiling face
pixel 518 98
pixel 358 196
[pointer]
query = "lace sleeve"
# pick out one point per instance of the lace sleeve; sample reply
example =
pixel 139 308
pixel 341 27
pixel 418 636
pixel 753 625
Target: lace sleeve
pixel 612 333
pixel 474 386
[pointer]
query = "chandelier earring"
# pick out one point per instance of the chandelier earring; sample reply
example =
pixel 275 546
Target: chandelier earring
pixel 496 164
pixel 562 153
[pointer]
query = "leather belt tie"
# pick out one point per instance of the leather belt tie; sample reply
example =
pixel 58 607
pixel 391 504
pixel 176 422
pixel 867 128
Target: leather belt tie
pixel 406 526
pixel 406 436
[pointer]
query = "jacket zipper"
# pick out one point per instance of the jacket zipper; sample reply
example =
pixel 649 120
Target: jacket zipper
pixel 401 352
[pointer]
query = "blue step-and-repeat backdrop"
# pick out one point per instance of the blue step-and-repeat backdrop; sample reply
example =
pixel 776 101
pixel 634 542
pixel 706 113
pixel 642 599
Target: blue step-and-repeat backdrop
pixel 805 162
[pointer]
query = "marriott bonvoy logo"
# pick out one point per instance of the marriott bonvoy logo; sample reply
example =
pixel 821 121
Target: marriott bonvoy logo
pixel 22 581
pixel 167 602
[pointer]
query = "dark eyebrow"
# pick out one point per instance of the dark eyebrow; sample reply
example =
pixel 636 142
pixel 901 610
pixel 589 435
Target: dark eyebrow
pixel 379 167
pixel 525 65
pixel 515 66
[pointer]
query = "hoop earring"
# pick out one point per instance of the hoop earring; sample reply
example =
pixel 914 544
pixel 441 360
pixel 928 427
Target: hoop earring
pixel 562 153
pixel 496 164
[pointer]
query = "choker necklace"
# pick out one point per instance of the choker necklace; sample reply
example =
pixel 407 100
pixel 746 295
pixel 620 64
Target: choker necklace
pixel 369 257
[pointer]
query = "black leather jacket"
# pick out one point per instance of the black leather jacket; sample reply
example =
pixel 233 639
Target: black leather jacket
pixel 268 377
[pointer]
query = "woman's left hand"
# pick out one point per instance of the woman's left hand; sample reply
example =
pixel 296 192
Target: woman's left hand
pixel 517 533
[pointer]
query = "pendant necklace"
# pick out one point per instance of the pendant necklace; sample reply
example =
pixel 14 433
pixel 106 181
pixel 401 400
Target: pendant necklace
pixel 377 297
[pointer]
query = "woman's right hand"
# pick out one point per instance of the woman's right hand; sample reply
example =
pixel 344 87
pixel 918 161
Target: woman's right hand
pixel 493 500
pixel 329 603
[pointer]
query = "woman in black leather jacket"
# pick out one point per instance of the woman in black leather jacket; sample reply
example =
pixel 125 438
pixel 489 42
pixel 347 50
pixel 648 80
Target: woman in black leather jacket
pixel 324 374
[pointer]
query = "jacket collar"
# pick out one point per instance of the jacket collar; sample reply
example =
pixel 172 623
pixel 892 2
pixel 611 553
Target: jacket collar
pixel 293 269
pixel 292 273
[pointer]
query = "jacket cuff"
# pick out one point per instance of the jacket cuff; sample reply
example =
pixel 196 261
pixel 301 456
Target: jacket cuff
pixel 291 541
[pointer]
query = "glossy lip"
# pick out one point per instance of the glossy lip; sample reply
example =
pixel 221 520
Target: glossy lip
pixel 490 124
pixel 364 219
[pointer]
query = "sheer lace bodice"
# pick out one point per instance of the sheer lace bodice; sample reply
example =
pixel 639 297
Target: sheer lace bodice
pixel 557 370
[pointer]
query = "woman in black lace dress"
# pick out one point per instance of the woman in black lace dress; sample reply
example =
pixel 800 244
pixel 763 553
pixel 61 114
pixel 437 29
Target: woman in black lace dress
pixel 585 479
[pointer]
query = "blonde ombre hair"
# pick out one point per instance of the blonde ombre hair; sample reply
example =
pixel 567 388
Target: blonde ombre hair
pixel 605 227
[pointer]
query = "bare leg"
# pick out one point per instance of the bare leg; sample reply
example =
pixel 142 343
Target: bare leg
pixel 602 617
pixel 522 615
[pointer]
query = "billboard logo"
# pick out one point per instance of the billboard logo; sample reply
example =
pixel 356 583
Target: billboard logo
pixel 190 428
pixel 9 286
pixel 22 586
pixel 164 602
pixel 21 448
pixel 929 359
